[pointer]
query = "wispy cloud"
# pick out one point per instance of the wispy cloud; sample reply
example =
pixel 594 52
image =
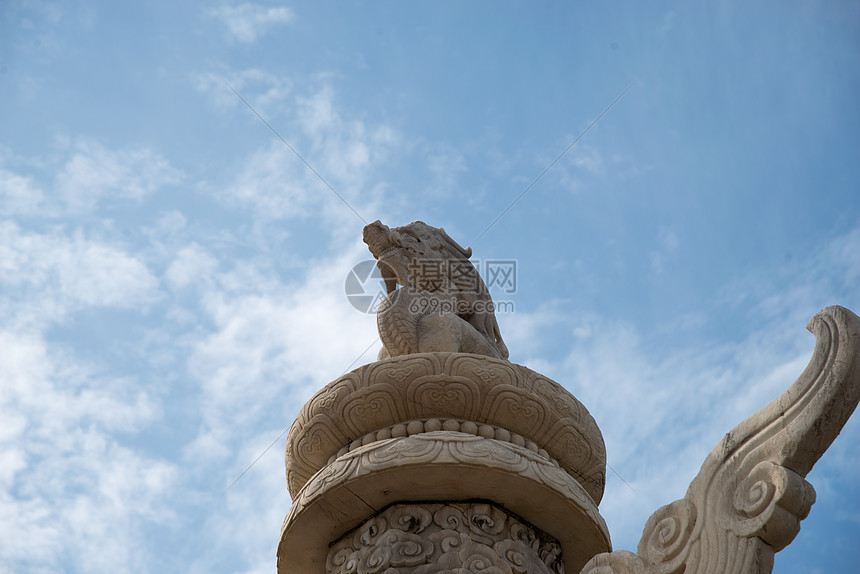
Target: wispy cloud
pixel 662 410
pixel 248 22
pixel 589 159
pixel 95 173
pixel 667 245
pixel 274 328
pixel 265 91
pixel 669 21
pixel 257 340
pixel 19 194
pixel 446 165
pixel 193 265
pixel 587 165
pixel 348 154
pixel 45 276
pixel 87 174
pixel 69 485
pixel 349 148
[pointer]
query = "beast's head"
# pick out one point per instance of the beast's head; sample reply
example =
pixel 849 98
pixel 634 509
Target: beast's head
pixel 415 255
pixel 425 257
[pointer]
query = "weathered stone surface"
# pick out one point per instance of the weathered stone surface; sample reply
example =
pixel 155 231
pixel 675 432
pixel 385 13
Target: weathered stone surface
pixel 452 537
pixel 750 495
pixel 443 304
pixel 439 466
pixel 488 397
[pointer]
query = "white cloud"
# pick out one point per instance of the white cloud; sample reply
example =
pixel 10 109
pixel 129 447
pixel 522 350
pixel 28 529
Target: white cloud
pixel 274 338
pixel 274 183
pixel 18 194
pixel 588 159
pixel 89 175
pixel 265 92
pixel 192 264
pixel 46 276
pixel 94 174
pixel 446 165
pixel 70 491
pixel 248 22
pixel 522 331
pixel 273 344
pixel 245 522
pixel 317 113
pixel 585 167
pixel 668 240
pixel 667 246
pixel 348 148
pixel 277 184
pixel 661 410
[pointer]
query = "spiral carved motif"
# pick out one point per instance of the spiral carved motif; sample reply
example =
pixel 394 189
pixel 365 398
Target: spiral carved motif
pixel 445 537
pixel 770 503
pixel 755 494
pixel 443 466
pixel 666 534
pixel 618 562
pixel 748 499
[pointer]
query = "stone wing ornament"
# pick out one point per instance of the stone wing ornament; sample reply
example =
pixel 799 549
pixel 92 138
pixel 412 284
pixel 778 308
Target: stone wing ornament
pixel 750 495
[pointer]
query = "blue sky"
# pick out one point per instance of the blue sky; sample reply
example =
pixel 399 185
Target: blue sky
pixel 172 276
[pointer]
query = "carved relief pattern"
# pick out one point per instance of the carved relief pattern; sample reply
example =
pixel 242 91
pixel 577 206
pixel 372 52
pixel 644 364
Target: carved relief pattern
pixel 750 495
pixel 445 538
pixel 445 447
pixel 373 399
pixel 432 425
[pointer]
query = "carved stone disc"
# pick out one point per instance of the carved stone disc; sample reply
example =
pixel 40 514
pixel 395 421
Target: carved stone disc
pixel 510 400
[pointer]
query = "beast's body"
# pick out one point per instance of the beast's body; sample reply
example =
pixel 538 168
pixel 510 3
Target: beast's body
pixel 443 304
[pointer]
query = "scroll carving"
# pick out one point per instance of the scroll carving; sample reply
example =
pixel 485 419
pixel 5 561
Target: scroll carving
pixel 449 537
pixel 438 448
pixel 750 495
pixel 439 466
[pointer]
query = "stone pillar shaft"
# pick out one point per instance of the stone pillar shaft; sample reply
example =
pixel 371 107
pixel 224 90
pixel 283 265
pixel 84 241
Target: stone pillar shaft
pixel 445 537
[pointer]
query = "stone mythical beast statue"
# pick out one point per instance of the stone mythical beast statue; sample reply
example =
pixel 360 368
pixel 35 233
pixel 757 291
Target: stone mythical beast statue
pixel 442 304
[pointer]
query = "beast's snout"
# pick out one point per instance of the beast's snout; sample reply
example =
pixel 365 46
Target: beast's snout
pixel 377 236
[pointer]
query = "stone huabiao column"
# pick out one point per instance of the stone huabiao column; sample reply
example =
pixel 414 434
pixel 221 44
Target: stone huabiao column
pixel 442 457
